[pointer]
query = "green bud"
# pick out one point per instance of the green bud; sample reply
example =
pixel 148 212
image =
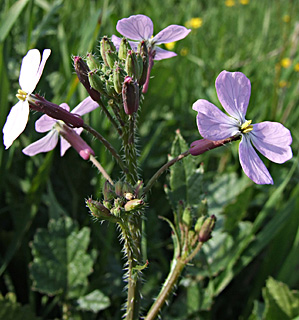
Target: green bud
pixel 138 188
pixel 96 82
pixel 118 78
pixel 134 205
pixel 92 62
pixel 199 224
pixel 99 211
pixel 106 45
pixel 186 218
pixel 111 58
pixel 116 211
pixel 131 65
pixel 107 204
pixel 124 47
pixel 207 228
pixel 118 187
pixel 145 61
pixel 203 207
pixel 118 203
pixel 108 192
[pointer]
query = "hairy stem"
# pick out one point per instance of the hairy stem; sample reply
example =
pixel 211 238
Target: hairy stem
pixel 101 169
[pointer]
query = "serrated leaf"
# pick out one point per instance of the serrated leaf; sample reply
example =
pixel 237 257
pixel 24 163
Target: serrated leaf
pixel 94 301
pixel 11 310
pixel 60 262
pixel 281 303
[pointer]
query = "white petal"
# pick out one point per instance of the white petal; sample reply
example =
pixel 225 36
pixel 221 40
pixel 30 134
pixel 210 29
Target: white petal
pixel 32 68
pixel 87 105
pixel 45 144
pixel 44 123
pixel 15 123
pixel 64 146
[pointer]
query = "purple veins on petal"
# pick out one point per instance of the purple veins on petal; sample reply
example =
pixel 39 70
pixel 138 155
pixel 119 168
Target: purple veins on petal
pixel 171 33
pixel 233 90
pixel 163 54
pixel 272 140
pixel 251 163
pixel 86 106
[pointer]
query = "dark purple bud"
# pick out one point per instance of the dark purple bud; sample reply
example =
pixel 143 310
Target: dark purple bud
pixel 82 71
pixel 130 94
pixel 53 110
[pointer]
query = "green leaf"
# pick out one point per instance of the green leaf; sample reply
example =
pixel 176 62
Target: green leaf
pixel 94 301
pixel 11 310
pixel 61 264
pixel 281 303
pixel 257 312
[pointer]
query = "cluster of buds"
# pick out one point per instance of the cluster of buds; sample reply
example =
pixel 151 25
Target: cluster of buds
pixel 117 75
pixel 120 200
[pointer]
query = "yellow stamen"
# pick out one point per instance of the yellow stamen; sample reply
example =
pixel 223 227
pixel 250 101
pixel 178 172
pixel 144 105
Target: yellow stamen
pixel 246 126
pixel 21 95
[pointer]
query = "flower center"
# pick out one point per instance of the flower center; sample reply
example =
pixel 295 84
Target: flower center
pixel 21 95
pixel 246 126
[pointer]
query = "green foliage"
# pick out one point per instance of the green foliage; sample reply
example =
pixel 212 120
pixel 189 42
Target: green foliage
pixel 60 262
pixel 94 301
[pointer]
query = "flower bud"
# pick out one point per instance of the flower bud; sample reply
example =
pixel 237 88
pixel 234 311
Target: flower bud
pixel 134 205
pixel 186 218
pixel 145 61
pixel 130 95
pixel 82 70
pixel 92 62
pixel 199 224
pixel 99 211
pixel 108 191
pixel 96 82
pixel 106 45
pixel 118 187
pixel 118 78
pixel 53 110
pixel 132 65
pixel 111 58
pixel 207 228
pixel 138 188
pixel 124 47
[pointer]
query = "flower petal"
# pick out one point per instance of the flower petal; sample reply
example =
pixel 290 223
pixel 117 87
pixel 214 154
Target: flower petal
pixel 64 146
pixel 65 106
pixel 233 90
pixel 170 34
pixel 272 140
pixel 251 164
pixel 136 27
pixel 163 54
pixel 15 123
pixel 44 123
pixel 87 105
pixel 45 144
pixel 212 123
pixel 32 68
pixel 116 41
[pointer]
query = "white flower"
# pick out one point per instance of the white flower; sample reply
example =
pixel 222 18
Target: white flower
pixel 31 70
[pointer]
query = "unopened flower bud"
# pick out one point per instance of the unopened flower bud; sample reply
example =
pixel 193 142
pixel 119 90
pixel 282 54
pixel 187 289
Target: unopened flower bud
pixel 108 191
pixel 96 82
pixel 207 228
pixel 92 62
pixel 118 78
pixel 111 58
pixel 138 188
pixel 99 211
pixel 118 187
pixel 143 51
pixel 132 65
pixel 134 205
pixel 82 70
pixel 130 95
pixel 129 195
pixel 199 223
pixel 76 141
pixel 186 218
pixel 53 110
pixel 124 47
pixel 106 45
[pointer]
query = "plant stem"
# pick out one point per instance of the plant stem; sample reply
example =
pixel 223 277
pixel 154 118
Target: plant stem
pixel 176 269
pixel 107 145
pixel 157 175
pixel 101 169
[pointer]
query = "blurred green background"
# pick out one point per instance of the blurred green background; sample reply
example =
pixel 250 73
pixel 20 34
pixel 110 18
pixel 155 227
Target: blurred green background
pixel 257 235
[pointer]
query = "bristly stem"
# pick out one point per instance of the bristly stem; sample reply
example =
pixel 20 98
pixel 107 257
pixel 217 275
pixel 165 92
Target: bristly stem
pixel 101 169
pixel 157 175
pixel 107 145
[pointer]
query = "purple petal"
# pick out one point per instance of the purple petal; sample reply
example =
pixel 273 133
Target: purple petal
pixel 251 164
pixel 163 54
pixel 45 144
pixel 44 123
pixel 32 68
pixel 65 106
pixel 233 90
pixel 170 34
pixel 15 123
pixel 272 140
pixel 64 146
pixel 87 105
pixel 212 123
pixel 136 27
pixel 116 41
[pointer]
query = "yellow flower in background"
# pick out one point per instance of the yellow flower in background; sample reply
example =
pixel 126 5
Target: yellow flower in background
pixel 194 23
pixel 285 62
pixel 296 67
pixel 286 18
pixel 244 2
pixel 184 52
pixel 170 45
pixel 230 3
pixel 283 83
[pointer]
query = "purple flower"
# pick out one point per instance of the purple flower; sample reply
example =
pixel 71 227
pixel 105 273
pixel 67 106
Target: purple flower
pixel 140 27
pixel 31 70
pixel 271 139
pixel 69 137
